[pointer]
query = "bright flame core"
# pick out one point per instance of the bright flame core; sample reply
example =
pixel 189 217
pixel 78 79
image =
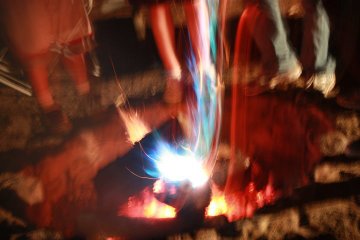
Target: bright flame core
pixel 176 167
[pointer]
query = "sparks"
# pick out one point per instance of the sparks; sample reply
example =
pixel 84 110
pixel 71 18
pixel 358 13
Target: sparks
pixel 136 128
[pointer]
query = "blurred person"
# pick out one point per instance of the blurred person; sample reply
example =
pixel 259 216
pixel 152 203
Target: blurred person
pixel 40 32
pixel 280 63
pixel 163 29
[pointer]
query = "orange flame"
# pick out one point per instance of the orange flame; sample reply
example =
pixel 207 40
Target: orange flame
pixel 218 206
pixel 156 209
pixel 145 205
pixel 234 206
pixel 240 204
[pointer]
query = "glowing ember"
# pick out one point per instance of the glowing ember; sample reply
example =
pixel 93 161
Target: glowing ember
pixel 240 204
pixel 234 207
pixel 136 128
pixel 156 209
pixel 217 206
pixel 145 205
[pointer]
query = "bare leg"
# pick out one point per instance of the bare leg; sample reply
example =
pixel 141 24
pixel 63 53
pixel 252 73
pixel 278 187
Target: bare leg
pixel 55 119
pixel 38 75
pixel 164 34
pixel 76 67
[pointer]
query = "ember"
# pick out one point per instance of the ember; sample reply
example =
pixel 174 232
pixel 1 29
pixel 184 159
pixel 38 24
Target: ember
pixel 218 206
pixel 145 205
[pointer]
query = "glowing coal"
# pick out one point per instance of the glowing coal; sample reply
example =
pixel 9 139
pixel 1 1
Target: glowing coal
pixel 145 205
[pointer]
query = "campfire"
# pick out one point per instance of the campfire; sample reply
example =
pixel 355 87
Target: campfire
pixel 276 170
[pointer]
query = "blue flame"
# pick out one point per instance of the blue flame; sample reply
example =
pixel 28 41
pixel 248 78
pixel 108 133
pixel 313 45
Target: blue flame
pixel 195 160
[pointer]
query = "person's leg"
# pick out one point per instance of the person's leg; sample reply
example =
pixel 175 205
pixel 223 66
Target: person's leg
pixel 37 72
pixel 76 66
pixel 319 66
pixel 279 64
pixel 315 43
pixel 271 38
pixel 164 34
